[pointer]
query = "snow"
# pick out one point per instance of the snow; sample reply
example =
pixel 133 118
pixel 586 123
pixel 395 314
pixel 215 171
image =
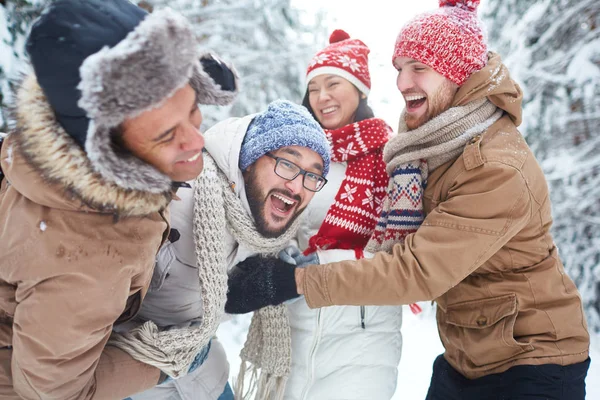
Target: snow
pixel 5 49
pixel 5 55
pixel 43 226
pixel 582 68
pixel 421 345
pixel 272 59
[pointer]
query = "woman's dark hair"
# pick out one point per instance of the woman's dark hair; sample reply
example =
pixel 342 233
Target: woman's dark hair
pixel 363 111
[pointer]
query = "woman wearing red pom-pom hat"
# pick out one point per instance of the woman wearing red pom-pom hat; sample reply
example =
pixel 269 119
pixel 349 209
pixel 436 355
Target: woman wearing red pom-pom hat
pixel 347 352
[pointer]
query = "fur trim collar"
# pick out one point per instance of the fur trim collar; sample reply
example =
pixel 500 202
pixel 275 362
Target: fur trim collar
pixel 60 160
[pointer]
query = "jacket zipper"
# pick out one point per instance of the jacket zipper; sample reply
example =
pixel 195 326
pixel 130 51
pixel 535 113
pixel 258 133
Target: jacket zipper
pixel 311 358
pixel 362 317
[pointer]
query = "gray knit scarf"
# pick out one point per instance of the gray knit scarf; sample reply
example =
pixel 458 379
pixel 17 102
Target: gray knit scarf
pixel 173 350
pixel 410 157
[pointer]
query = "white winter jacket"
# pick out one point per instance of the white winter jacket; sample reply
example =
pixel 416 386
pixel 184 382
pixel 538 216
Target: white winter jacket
pixel 174 297
pixel 342 352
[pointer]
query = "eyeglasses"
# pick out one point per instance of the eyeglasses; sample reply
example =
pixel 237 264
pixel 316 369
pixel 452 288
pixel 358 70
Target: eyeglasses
pixel 289 171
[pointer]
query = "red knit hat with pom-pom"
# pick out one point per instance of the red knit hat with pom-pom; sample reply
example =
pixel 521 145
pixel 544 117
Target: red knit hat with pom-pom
pixel 343 57
pixel 451 40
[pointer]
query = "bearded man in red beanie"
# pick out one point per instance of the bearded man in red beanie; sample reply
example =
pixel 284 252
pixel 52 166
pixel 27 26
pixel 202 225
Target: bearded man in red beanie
pixel 510 319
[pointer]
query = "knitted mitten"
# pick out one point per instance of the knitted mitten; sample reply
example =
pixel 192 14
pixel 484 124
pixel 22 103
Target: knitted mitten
pixel 258 282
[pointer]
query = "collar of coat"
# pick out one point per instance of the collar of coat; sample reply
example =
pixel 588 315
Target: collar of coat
pixel 63 165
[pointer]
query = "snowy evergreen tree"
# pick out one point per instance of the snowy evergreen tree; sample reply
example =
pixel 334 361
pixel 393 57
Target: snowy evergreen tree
pixel 266 40
pixel 16 17
pixel 552 48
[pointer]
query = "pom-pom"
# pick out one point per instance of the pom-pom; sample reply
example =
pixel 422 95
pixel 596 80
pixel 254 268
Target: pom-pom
pixel 338 35
pixel 469 5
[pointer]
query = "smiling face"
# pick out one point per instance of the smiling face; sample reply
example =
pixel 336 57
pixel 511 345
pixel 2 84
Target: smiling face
pixel 426 92
pixel 334 100
pixel 168 137
pixel 275 202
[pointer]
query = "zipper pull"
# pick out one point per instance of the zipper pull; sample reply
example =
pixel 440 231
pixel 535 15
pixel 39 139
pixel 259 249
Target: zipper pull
pixel 362 317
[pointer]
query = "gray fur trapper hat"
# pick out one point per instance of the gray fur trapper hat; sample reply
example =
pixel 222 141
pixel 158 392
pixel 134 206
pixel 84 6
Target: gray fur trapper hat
pixel 128 62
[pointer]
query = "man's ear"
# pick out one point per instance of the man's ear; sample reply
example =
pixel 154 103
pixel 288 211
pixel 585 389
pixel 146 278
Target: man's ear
pixel 246 172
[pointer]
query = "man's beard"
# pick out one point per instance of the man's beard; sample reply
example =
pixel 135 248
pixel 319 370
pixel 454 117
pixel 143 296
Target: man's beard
pixel 256 201
pixel 436 104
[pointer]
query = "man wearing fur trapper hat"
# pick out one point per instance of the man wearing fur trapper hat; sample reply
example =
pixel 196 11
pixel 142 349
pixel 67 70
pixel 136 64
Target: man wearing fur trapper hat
pixel 104 129
pixel 510 318
pixel 261 171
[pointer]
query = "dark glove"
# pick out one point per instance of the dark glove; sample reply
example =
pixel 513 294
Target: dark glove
pixel 258 282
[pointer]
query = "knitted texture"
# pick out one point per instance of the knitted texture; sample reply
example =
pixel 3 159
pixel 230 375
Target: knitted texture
pixel 216 210
pixel 345 57
pixel 451 40
pixel 283 124
pixel 351 219
pixel 410 157
pixel 268 348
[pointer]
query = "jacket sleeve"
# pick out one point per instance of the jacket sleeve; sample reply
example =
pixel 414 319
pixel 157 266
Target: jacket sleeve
pixel 61 326
pixel 457 236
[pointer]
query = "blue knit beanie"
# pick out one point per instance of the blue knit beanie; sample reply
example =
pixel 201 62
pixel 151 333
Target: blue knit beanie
pixel 283 124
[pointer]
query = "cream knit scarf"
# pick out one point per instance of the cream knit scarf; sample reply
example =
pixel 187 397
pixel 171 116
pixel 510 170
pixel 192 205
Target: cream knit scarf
pixel 173 350
pixel 410 157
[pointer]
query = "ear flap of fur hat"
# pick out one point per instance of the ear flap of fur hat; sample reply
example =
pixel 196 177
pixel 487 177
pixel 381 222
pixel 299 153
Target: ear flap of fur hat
pixel 216 82
pixel 157 58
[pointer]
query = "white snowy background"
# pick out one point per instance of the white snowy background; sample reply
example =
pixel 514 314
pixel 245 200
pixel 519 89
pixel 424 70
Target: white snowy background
pixel 551 46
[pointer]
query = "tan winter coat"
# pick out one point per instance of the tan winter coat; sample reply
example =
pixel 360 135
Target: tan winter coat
pixel 68 270
pixel 484 253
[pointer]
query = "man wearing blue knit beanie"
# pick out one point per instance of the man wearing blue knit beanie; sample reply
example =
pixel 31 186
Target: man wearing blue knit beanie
pixel 260 173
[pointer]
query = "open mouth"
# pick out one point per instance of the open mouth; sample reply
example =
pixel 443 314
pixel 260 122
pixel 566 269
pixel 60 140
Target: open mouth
pixel 413 102
pixel 282 205
pixel 191 159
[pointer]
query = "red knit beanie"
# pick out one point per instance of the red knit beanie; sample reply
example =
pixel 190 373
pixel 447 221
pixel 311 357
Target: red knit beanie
pixel 343 57
pixel 451 40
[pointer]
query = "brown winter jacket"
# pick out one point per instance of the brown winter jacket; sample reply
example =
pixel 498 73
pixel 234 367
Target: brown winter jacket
pixel 68 270
pixel 484 253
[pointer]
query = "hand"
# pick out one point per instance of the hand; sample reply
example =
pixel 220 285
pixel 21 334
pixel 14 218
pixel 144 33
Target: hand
pixel 289 254
pixel 293 255
pixel 258 282
pixel 302 260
